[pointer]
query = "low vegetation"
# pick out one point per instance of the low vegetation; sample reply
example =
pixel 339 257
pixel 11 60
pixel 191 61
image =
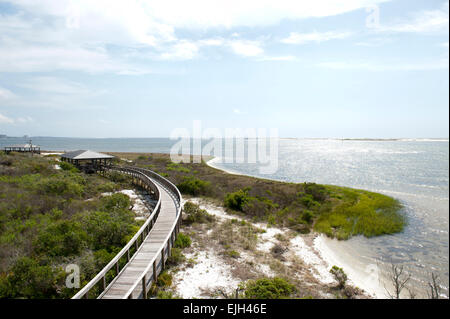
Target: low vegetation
pixel 192 213
pixel 268 288
pixel 338 212
pixel 182 241
pixel 339 275
pixel 50 218
pixel 194 186
pixel 360 212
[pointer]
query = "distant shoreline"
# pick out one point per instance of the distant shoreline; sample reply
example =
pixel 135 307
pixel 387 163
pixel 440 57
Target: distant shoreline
pixel 368 139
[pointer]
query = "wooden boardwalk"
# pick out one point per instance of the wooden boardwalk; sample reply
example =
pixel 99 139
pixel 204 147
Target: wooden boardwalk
pixel 148 250
pixel 140 261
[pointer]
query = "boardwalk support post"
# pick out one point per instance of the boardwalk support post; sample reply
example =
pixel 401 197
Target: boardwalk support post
pixel 155 276
pixel 144 288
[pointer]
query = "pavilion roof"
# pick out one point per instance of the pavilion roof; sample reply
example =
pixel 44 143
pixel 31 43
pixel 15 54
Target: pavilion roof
pixel 85 155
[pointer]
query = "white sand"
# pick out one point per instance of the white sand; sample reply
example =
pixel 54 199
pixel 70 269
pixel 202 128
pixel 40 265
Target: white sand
pixel 212 209
pixel 209 273
pixel 51 153
pixel 267 240
pixel 320 256
pixel 319 268
pixel 359 274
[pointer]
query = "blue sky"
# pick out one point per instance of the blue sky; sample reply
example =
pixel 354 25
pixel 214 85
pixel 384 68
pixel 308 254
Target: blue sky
pixel 324 68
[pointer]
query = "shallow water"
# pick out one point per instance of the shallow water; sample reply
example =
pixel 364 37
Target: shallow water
pixel 414 171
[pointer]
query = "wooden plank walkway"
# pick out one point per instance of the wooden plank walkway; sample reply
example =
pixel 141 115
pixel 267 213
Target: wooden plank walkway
pixel 152 243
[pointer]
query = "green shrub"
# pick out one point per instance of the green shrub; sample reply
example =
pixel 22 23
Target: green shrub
pixel 194 214
pixel 106 229
pixel 177 167
pixel 238 199
pixel 232 253
pixel 163 294
pixel 108 187
pixel 307 200
pixel 194 186
pixel 318 192
pixel 268 288
pixel 182 241
pixel 254 206
pixel 164 279
pixel 61 186
pixel 61 238
pixel 5 161
pixel 307 216
pixel 176 257
pixel 117 177
pixel 29 279
pixel 116 201
pixel 339 275
pixel 67 167
pixel 45 217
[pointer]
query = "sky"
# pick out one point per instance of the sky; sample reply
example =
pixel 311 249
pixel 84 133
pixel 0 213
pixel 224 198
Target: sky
pixel 130 68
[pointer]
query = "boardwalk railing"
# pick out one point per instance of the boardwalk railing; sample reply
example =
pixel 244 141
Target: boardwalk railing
pixel 114 268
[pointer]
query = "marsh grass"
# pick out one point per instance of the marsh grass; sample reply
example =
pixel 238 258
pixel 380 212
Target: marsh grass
pixel 358 212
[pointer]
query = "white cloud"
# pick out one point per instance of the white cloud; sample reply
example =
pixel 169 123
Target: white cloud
pixel 24 120
pixel 213 42
pixel 53 92
pixel 26 57
pixel 5 120
pixel 422 22
pixel 302 38
pixel 246 48
pixel 279 58
pixel 183 50
pixel 47 84
pixel 50 35
pixel 373 66
pixel 239 112
pixel 144 18
pixel 20 120
pixel 6 94
pixel 376 42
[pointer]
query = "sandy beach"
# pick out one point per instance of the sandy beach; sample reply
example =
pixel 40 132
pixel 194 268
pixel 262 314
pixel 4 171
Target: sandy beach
pixel 323 253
